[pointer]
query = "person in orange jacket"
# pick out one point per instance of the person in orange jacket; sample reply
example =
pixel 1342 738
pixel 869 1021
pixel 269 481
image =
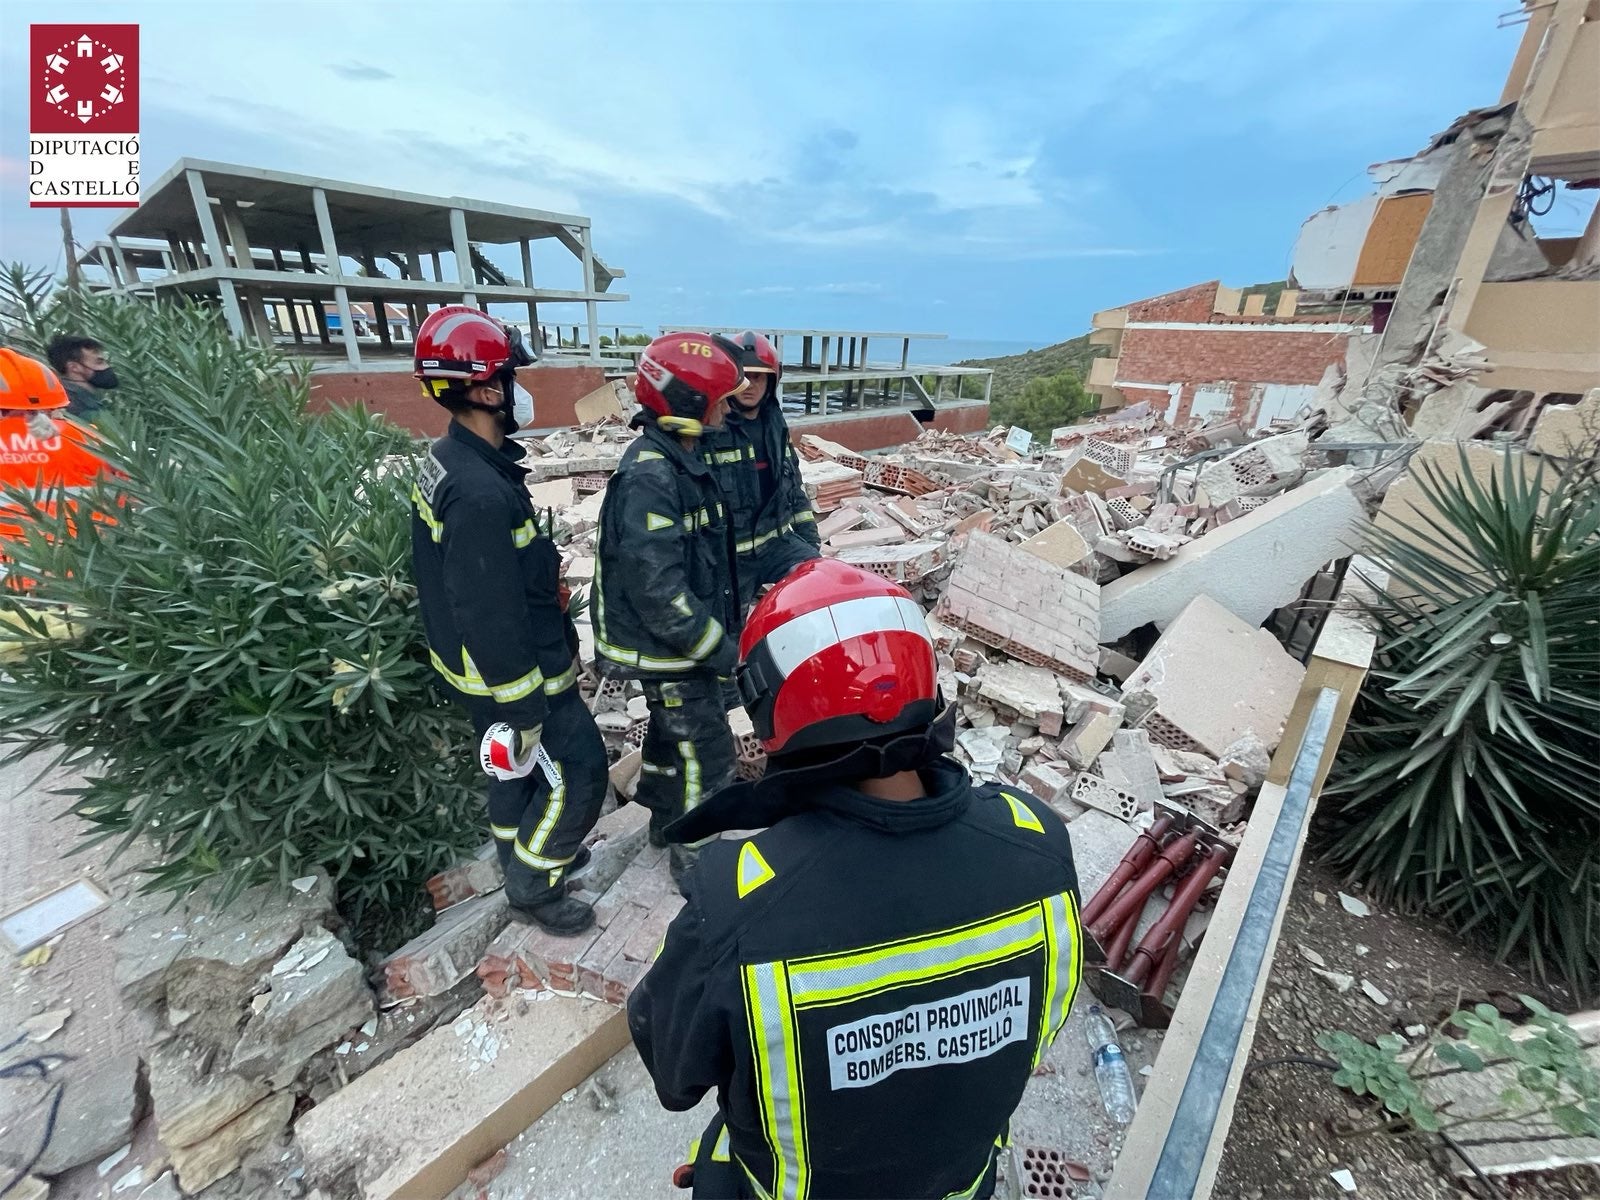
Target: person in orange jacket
pixel 39 446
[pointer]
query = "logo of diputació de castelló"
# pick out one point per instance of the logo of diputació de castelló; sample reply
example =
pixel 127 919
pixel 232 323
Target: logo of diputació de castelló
pixel 83 108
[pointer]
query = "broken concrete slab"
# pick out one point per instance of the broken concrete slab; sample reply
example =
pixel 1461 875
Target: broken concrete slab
pixel 1099 841
pixel 309 1007
pixel 442 956
pixel 1563 429
pixel 613 843
pixel 1060 544
pixel 1129 763
pixel 100 1108
pixel 1216 678
pixel 1033 693
pixel 1246 760
pixel 1250 566
pixel 1090 736
pixel 200 1165
pixel 206 960
pixel 191 1104
pixel 416 1125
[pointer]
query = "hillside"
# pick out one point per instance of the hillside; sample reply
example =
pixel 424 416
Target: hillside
pixel 1012 372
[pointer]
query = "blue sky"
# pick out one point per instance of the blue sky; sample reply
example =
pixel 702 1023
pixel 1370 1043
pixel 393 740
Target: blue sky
pixel 994 170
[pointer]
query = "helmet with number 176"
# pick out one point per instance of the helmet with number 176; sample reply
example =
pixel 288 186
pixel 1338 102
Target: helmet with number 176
pixel 684 376
pixel 835 656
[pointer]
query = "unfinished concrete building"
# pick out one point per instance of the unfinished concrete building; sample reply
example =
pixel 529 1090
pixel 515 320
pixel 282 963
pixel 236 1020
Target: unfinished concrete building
pixel 1208 352
pixel 1490 322
pixel 313 259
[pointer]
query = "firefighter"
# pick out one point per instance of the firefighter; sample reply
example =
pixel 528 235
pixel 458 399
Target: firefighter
pixel 39 448
pixel 775 528
pixel 493 608
pixel 867 983
pixel 666 599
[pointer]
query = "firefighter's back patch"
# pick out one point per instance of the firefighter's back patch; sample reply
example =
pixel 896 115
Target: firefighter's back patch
pixel 430 475
pixel 953 1029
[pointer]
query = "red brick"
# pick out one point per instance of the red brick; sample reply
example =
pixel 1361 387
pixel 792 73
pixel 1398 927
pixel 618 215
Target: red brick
pixel 475 877
pixel 436 960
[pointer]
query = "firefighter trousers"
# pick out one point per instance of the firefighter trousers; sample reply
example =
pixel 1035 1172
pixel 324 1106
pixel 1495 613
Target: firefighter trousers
pixel 769 563
pixel 539 822
pixel 688 747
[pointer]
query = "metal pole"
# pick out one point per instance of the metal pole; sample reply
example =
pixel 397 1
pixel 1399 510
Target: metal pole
pixel 341 294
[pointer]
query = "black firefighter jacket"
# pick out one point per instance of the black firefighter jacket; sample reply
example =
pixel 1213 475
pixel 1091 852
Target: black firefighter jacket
pixel 868 985
pixel 488 583
pixel 665 594
pixel 760 474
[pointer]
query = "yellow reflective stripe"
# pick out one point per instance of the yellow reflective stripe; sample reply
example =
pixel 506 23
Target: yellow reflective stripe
pixel 555 685
pixel 708 640
pixel 761 1193
pixel 425 511
pixel 524 534
pixel 802 518
pixel 778 1082
pixel 552 814
pixel 650 768
pixel 645 662
pixel 1021 815
pixel 971 1190
pixel 719 1152
pixel 697 520
pixel 471 682
pixel 750 544
pixel 649 456
pixel 1063 967
pixel 655 521
pixel 681 603
pixel 835 979
pixel 506 833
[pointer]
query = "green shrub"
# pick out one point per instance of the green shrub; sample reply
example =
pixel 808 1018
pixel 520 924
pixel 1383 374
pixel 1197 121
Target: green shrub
pixel 242 675
pixel 1044 404
pixel 1467 780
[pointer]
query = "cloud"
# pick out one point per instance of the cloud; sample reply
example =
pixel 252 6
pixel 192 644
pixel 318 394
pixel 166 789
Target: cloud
pixel 360 72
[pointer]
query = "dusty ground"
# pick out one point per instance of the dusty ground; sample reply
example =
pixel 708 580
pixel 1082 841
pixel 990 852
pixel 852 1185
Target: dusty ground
pixel 1281 1146
pixel 613 1129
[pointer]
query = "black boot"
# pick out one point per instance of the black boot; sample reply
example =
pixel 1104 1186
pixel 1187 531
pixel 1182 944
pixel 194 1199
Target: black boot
pixel 657 833
pixel 562 916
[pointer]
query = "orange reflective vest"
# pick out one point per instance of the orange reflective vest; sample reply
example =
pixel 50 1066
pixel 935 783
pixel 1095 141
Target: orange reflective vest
pixel 26 461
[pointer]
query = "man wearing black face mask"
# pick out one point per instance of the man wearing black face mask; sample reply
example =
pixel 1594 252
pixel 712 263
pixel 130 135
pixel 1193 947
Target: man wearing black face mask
pixel 85 371
pixel 493 609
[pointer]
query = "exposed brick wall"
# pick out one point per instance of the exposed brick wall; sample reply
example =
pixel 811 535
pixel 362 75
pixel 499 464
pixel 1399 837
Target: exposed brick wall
pixel 399 397
pixel 1190 304
pixel 1226 353
pixel 880 430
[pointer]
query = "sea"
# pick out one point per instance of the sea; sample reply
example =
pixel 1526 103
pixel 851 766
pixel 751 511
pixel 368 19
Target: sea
pixel 940 353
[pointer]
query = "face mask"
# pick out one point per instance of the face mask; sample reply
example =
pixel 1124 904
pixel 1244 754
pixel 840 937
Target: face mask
pixel 521 406
pixel 105 379
pixel 41 428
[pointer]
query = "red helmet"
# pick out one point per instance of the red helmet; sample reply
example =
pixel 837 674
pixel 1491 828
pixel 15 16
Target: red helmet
pixel 683 376
pixel 836 656
pixel 757 355
pixel 458 345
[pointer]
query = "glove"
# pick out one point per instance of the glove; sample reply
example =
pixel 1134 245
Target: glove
pixel 724 658
pixel 506 753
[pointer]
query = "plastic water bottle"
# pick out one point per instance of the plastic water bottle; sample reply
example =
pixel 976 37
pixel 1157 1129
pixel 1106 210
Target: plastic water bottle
pixel 1110 1067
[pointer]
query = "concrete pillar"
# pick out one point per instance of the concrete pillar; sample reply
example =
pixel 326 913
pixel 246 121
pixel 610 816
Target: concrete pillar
pixel 237 237
pixel 130 277
pixel 380 313
pixel 214 254
pixel 463 252
pixel 905 353
pixel 341 294
pixel 590 306
pixel 305 259
pixel 322 318
pixel 294 318
pixel 527 282
pixel 438 268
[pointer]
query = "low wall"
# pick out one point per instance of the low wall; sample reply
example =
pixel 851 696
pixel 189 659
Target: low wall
pixel 399 397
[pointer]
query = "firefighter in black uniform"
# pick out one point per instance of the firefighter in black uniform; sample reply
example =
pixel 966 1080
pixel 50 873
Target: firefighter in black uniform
pixel 493 608
pixel 775 527
pixel 869 982
pixel 666 601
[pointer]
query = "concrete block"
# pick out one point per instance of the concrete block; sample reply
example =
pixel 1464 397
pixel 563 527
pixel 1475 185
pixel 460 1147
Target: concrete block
pixel 200 1165
pixel 1060 544
pixel 1094 792
pixel 1129 763
pixel 321 996
pixel 839 521
pixel 1090 736
pixel 1215 678
pixel 1047 783
pixel 1250 566
pixel 552 493
pixel 415 1125
pixel 1099 841
pixel 1564 428
pixel 613 844
pixel 856 538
